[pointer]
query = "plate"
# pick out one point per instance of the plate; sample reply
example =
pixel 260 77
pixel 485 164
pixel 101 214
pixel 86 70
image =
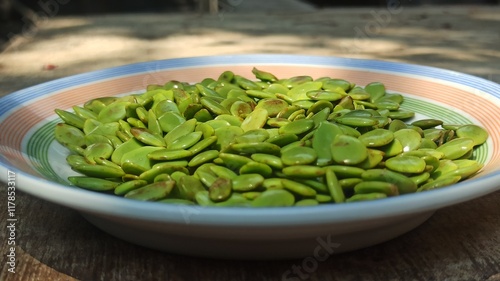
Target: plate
pixel 28 148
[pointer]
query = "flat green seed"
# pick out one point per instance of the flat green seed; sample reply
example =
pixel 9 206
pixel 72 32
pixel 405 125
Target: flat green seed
pixel 255 120
pixel 456 148
pixel 357 121
pixel 136 161
pixel 464 171
pixel 128 186
pixel 325 95
pixel 334 187
pixel 377 138
pixel 223 172
pixel 247 182
pixel 322 198
pixel 264 75
pixel 283 139
pixel 179 131
pixel 445 166
pixel 299 156
pixel 206 129
pixel 299 92
pixel 348 150
pixel 366 197
pixel 92 183
pixel 285 113
pixel 202 199
pixel 170 120
pixel 346 171
pixel 203 116
pixel 253 136
pixel 386 188
pixel 406 164
pixel 163 177
pixel 376 90
pixel 233 120
pixel 440 182
pixel 66 134
pixel 136 123
pixel 274 198
pixel 306 202
pixel 235 200
pixel 240 109
pixel 374 158
pixel 251 195
pixel 258 147
pixel 176 176
pixel 409 139
pixel 234 161
pixel 147 137
pixel 298 188
pixel 113 112
pixel 163 168
pixel 259 94
pixel 99 171
pixel 226 136
pixel 152 192
pixel 186 141
pixel 207 178
pixel 273 183
pixel 220 190
pixel 71 118
pixel 478 134
pixel 188 187
pixel 297 127
pixel 304 171
pixel 142 113
pixel 400 114
pixel 169 155
pixel 323 135
pixel 271 160
pixel 96 138
pixel 98 150
pixel 392 149
pixel 203 144
pixel 124 148
pixel 84 113
pixel 358 93
pixel 421 178
pixel 213 106
pixel 256 168
pixel 203 157
pixel 427 143
pixel 405 185
pixel 427 123
pixel 349 183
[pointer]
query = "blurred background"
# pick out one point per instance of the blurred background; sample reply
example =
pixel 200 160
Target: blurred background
pixel 17 14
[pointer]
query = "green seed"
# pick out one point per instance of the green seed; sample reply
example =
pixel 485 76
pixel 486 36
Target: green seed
pixel 256 168
pixel 128 186
pixel 92 183
pixel 334 187
pixel 409 139
pixel 220 190
pixel 304 171
pixel 427 123
pixel 298 188
pixel 274 198
pixel 405 185
pixel 456 148
pixel 377 138
pixel 99 171
pixel 255 120
pixel 366 197
pixel 297 127
pixel 306 202
pixel 247 182
pixel 151 192
pixel 66 134
pixel 147 137
pixel 258 147
pixel 188 187
pixel 406 164
pixel 348 150
pixel 386 188
pixel 203 157
pixel 440 182
pixel 298 156
pixel 474 132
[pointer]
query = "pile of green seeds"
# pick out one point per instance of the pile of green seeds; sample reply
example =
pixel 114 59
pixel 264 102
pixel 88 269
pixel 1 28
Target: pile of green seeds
pixel 271 142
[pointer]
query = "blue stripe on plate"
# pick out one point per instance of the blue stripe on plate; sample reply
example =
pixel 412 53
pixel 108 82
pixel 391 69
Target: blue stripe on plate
pixel 10 101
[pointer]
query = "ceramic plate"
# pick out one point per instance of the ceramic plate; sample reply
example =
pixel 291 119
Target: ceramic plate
pixel 28 148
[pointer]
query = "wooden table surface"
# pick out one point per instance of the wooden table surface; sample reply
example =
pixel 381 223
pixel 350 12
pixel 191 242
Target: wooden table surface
pixel 461 242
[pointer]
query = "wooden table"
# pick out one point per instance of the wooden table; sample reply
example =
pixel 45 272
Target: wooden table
pixel 55 243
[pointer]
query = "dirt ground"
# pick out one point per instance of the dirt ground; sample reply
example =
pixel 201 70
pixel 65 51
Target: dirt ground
pixel 464 39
